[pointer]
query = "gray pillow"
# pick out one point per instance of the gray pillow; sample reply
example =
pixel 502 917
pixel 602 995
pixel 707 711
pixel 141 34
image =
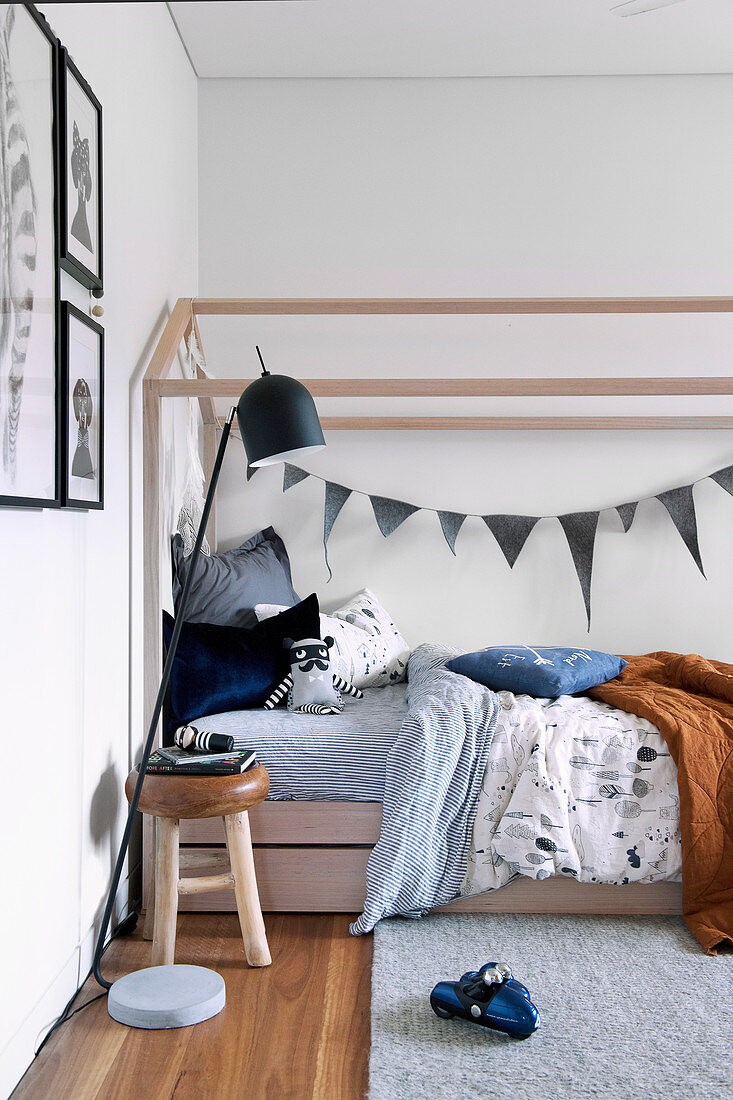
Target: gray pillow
pixel 227 586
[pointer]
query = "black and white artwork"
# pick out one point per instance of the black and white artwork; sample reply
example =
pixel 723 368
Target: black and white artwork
pixel 81 175
pixel 29 408
pixel 83 369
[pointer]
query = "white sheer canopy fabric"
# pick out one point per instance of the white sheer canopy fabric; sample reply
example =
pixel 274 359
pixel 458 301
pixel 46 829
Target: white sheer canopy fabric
pixel 192 504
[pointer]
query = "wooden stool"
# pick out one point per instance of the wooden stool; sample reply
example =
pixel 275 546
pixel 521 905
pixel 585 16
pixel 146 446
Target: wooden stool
pixel 172 797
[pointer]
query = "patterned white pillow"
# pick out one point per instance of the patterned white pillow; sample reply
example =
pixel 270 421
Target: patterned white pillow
pixel 369 649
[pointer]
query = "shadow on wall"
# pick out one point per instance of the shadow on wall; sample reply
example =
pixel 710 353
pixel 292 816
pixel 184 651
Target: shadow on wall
pixel 104 809
pixel 103 813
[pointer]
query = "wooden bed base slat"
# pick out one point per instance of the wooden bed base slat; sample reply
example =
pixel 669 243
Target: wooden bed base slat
pixel 564 895
pixel 332 880
pixel 296 823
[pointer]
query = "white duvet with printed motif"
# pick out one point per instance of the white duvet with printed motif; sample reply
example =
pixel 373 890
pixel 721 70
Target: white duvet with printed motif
pixel 578 788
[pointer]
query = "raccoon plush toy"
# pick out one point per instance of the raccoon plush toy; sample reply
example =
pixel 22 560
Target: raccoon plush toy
pixel 311 685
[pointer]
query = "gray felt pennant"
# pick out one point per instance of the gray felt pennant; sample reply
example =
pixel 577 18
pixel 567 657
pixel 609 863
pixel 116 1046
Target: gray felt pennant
pixel 724 478
pixel 336 497
pixel 389 514
pixel 292 475
pixel 627 513
pixel 451 522
pixel 681 507
pixel 511 532
pixel 580 531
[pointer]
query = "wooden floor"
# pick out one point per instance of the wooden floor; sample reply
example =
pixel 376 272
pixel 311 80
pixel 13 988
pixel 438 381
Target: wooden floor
pixel 298 1029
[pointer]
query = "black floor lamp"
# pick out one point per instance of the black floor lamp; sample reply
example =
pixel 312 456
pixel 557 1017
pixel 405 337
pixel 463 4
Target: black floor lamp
pixel 277 421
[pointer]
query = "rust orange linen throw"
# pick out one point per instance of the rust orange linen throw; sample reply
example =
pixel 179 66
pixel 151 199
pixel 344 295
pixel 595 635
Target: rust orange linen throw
pixel 690 699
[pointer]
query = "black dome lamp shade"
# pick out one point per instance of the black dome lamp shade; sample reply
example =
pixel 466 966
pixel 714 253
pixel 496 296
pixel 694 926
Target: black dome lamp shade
pixel 277 419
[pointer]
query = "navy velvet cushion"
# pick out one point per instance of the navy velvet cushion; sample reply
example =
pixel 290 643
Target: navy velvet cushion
pixel 545 671
pixel 219 668
pixel 227 586
pixel 223 668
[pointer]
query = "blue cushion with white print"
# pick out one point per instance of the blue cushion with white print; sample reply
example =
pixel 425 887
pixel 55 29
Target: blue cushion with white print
pixel 542 671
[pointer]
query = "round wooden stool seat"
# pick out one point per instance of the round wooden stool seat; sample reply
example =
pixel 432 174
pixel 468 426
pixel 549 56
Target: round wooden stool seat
pixel 186 796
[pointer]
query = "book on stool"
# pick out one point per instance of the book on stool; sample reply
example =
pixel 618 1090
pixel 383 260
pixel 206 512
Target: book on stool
pixel 175 761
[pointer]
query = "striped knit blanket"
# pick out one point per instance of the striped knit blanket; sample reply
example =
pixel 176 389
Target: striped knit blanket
pixel 434 774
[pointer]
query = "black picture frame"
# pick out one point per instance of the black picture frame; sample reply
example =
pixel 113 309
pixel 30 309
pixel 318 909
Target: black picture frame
pixel 84 264
pixel 89 452
pixel 30 406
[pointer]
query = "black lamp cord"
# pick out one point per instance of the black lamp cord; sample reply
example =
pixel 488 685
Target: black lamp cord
pixel 147 748
pixel 124 928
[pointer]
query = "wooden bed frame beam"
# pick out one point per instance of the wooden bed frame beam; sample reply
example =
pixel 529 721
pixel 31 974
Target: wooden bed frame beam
pixel 466 387
pixel 391 306
pixel 522 423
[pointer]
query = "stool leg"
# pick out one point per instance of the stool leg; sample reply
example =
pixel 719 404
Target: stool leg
pixel 239 843
pixel 166 891
pixel 150 908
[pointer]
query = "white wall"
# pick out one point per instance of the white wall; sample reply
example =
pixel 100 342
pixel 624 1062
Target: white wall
pixel 71 582
pixel 579 186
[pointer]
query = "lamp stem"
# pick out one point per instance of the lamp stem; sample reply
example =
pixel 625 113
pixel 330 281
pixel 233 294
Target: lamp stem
pixel 157 709
pixel 265 371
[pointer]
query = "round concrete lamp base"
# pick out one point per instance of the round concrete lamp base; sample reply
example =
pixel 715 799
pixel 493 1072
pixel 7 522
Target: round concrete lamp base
pixel 167 996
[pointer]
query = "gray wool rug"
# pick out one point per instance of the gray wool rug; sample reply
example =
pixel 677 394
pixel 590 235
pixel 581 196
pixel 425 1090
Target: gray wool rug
pixel 631 1007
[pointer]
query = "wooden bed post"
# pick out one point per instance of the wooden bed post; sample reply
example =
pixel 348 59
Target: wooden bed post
pixel 211 437
pixel 160 364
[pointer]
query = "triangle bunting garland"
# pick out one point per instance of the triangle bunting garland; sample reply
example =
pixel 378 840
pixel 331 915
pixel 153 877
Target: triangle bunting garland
pixel 292 475
pixel 580 531
pixel 336 497
pixel 681 507
pixel 389 514
pixel 511 533
pixel 451 522
pixel 724 478
pixel 627 513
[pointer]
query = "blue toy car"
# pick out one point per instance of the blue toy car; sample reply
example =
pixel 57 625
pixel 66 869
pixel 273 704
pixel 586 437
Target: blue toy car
pixel 491 997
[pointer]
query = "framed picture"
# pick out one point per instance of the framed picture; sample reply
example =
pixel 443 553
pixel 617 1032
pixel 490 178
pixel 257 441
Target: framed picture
pixel 82 358
pixel 30 409
pixel 80 171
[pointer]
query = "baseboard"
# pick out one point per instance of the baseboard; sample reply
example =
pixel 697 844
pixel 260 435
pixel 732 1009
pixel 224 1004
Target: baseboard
pixel 19 1050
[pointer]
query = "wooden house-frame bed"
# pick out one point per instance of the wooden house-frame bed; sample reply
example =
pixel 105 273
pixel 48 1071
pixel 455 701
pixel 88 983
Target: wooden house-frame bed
pixel 311 856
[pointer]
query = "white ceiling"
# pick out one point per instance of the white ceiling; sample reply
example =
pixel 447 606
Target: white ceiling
pixel 453 38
